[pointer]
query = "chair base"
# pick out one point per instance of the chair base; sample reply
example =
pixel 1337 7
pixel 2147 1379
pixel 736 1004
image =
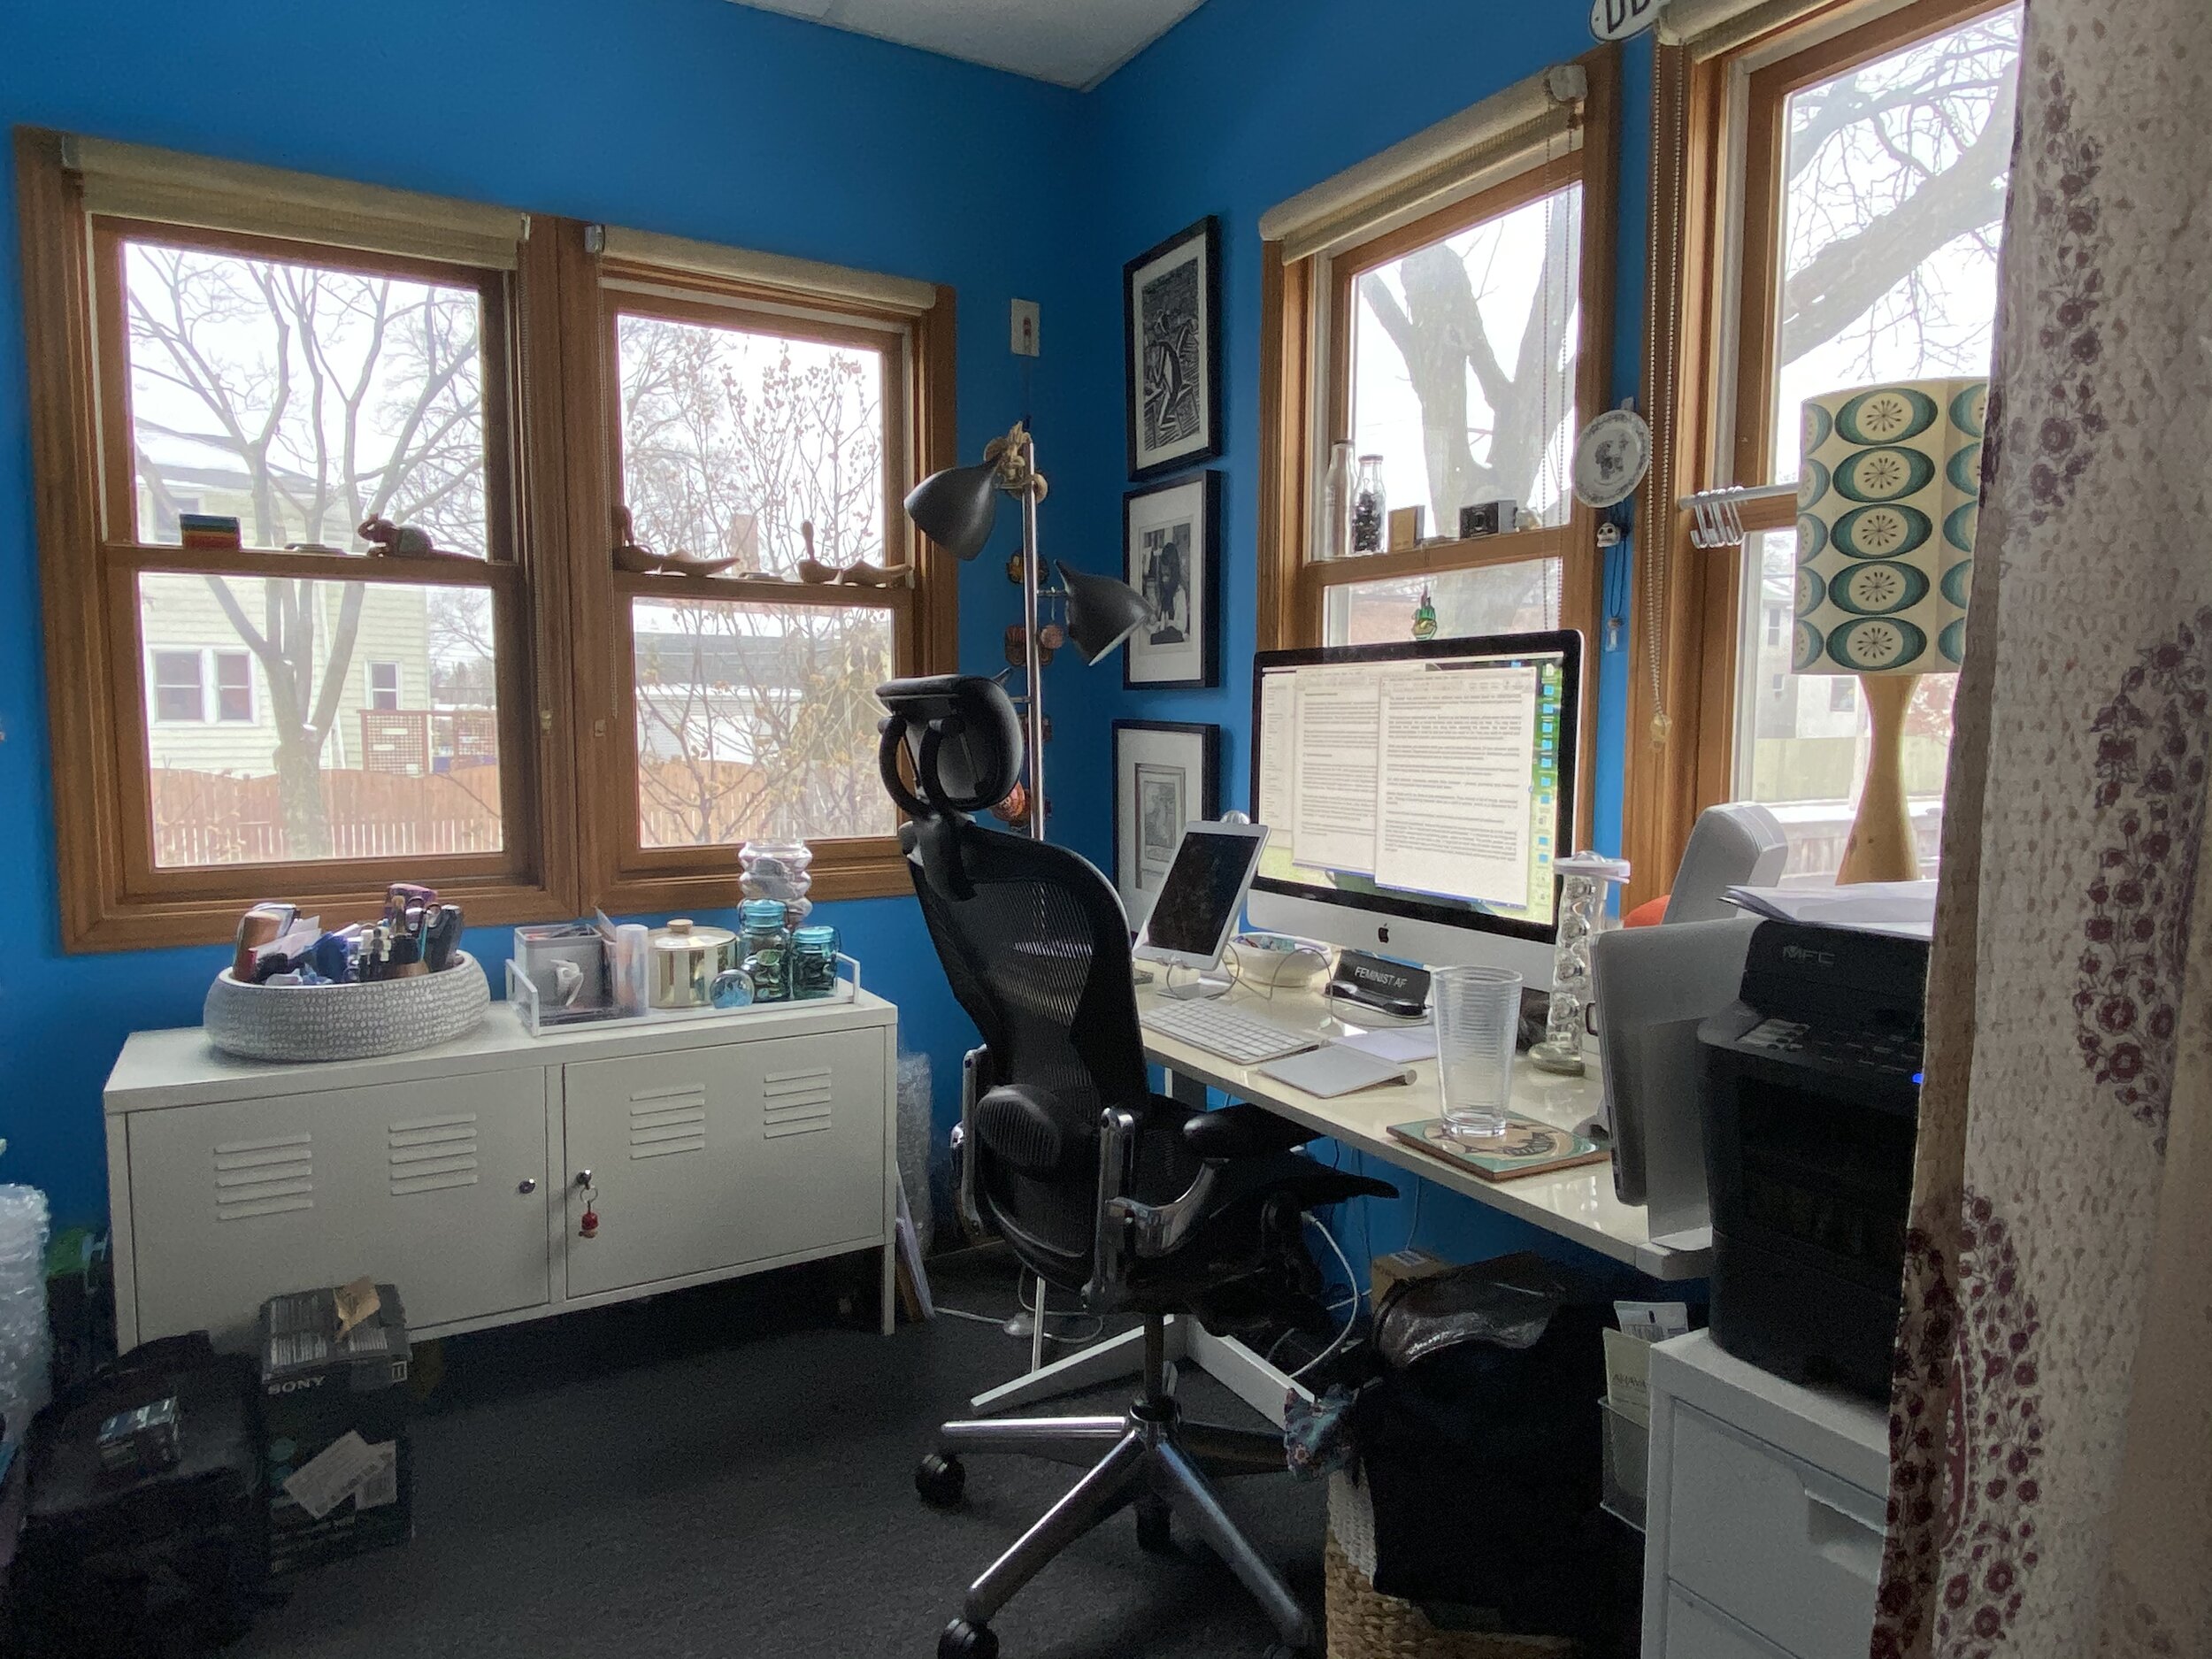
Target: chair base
pixel 1152 1459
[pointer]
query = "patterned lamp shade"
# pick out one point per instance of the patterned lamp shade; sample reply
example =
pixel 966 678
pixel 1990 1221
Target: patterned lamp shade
pixel 1885 510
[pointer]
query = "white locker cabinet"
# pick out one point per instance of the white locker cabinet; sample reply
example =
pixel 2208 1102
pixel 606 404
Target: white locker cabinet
pixel 1765 1519
pixel 432 1186
pixel 719 1144
pixel 710 1157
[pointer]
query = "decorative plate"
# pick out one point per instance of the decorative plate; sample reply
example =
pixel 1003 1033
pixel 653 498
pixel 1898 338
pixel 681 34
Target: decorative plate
pixel 1611 458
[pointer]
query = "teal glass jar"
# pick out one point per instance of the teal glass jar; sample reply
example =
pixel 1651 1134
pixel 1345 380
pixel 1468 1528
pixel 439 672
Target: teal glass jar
pixel 813 961
pixel 764 949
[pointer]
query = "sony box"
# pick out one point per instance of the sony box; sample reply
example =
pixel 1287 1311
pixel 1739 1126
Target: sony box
pixel 335 1410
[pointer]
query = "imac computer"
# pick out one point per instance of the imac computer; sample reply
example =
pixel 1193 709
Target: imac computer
pixel 1417 796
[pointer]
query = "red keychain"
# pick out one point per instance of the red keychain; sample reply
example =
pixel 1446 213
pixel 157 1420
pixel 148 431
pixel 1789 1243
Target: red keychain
pixel 587 1227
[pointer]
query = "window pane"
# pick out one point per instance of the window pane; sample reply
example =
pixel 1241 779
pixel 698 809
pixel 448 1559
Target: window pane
pixel 1513 598
pixel 335 777
pixel 1802 739
pixel 177 695
pixel 1893 205
pixel 301 401
pixel 233 685
pixel 1464 365
pixel 731 439
pixel 754 719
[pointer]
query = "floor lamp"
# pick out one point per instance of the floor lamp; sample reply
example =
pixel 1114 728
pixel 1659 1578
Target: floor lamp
pixel 957 509
pixel 1887 495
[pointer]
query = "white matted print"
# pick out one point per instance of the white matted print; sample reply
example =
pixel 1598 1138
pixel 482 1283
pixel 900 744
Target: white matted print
pixel 1170 536
pixel 1171 319
pixel 1166 775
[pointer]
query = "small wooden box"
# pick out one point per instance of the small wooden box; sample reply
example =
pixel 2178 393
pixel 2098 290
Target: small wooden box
pixel 1405 528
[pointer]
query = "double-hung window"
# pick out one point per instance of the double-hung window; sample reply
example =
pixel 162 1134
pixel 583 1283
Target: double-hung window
pixel 1833 191
pixel 425 652
pixel 1444 309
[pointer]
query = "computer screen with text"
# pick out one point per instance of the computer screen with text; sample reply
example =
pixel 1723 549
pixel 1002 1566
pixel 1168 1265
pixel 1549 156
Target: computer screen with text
pixel 1439 778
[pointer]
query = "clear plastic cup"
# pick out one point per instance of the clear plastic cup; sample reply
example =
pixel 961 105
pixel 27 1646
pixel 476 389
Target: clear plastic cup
pixel 1478 1013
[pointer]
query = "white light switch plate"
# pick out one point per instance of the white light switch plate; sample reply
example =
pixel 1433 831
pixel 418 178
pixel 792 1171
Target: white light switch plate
pixel 1027 340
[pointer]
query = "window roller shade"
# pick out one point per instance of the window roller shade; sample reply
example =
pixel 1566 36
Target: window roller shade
pixel 134 181
pixel 903 296
pixel 1710 27
pixel 1521 122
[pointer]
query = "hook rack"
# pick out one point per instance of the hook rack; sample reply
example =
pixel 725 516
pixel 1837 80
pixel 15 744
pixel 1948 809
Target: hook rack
pixel 1717 514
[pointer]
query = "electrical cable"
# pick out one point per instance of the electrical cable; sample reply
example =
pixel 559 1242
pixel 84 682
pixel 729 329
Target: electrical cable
pixel 1350 1319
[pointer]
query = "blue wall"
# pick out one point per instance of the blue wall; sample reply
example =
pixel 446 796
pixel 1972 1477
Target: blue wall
pixel 693 116
pixel 704 119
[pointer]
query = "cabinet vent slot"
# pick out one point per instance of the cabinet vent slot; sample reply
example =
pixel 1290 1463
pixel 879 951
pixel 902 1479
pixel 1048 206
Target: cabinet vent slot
pixel 264 1177
pixel 665 1121
pixel 429 1155
pixel 795 1103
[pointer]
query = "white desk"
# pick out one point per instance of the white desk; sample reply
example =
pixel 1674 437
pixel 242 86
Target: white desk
pixel 1577 1203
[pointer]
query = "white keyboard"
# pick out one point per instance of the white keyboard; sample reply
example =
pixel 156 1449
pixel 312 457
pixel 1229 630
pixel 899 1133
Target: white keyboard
pixel 1228 1032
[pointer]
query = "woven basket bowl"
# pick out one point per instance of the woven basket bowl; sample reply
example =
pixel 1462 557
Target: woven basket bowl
pixel 345 1022
pixel 1363 1623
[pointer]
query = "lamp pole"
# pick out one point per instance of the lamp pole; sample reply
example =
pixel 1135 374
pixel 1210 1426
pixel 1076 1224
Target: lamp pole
pixel 1032 641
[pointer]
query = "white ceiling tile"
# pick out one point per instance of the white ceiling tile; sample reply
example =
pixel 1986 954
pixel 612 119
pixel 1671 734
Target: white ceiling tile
pixel 1072 43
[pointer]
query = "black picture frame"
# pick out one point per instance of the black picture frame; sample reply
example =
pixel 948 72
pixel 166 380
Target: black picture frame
pixel 1158 296
pixel 1184 583
pixel 1144 837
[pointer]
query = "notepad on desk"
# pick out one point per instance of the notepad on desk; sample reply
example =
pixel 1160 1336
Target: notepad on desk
pixel 1335 1069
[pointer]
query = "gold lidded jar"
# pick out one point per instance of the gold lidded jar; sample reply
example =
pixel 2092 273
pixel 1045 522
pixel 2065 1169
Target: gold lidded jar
pixel 687 958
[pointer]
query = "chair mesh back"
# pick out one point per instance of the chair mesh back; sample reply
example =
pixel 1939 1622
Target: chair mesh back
pixel 1039 957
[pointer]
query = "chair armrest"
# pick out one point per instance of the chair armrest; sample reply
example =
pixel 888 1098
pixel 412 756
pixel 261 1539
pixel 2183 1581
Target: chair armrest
pixel 1241 1131
pixel 974 1067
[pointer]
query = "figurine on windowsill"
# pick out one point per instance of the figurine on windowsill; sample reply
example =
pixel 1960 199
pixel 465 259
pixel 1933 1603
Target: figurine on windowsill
pixel 634 556
pixel 861 574
pixel 388 540
pixel 812 569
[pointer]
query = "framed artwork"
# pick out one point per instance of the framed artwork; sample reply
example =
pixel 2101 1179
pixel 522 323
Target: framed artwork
pixel 1172 321
pixel 1171 553
pixel 1166 774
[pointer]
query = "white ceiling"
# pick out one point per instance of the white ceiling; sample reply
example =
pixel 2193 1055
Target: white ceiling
pixel 1072 42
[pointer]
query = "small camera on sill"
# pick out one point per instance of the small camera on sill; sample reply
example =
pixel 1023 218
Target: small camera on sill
pixel 1487 517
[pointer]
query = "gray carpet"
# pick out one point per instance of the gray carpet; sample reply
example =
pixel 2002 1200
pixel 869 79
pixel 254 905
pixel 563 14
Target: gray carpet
pixel 728 1472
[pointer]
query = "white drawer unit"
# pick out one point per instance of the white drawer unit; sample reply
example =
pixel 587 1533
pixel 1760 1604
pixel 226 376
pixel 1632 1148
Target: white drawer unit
pixel 1765 1515
pixel 716 1145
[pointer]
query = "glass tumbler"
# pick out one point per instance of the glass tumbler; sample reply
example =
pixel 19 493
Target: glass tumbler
pixel 1477 1013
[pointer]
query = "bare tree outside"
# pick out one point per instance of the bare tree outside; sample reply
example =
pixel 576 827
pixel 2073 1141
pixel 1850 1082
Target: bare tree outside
pixel 304 400
pixel 754 718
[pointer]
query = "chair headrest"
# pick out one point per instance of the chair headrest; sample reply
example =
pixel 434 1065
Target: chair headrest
pixel 962 736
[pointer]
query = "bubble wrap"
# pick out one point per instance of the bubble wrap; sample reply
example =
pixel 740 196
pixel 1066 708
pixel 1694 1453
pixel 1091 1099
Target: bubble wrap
pixel 25 1345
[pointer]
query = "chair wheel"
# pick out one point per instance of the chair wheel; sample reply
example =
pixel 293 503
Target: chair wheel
pixel 940 1480
pixel 1154 1532
pixel 963 1641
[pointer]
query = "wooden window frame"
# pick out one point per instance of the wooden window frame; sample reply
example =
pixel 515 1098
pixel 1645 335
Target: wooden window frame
pixel 1298 299
pixel 1718 147
pixel 547 567
pixel 920 440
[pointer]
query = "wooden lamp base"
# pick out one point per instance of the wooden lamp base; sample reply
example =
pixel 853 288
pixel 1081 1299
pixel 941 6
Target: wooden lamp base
pixel 1881 848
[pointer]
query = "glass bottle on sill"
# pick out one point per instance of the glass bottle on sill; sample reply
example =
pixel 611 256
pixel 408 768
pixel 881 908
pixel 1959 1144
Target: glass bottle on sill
pixel 1370 505
pixel 1336 502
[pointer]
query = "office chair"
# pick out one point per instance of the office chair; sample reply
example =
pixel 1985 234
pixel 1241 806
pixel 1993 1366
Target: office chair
pixel 1099 1186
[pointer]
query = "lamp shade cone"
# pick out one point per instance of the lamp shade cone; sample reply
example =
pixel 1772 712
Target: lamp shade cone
pixel 956 508
pixel 1102 611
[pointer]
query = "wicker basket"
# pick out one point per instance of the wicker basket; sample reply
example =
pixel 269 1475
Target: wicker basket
pixel 345 1022
pixel 1364 1624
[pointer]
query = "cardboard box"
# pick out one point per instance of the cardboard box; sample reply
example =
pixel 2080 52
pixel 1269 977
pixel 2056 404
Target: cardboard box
pixel 335 1410
pixel 1386 1271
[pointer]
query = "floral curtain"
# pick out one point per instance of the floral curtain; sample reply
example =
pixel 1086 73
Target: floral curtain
pixel 2051 1421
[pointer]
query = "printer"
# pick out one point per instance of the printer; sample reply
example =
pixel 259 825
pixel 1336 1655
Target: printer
pixel 1811 1106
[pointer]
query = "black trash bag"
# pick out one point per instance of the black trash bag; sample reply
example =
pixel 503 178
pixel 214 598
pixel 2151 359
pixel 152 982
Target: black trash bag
pixel 1480 1447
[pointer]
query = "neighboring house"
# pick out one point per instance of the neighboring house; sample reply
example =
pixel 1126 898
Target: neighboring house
pixel 701 698
pixel 208 704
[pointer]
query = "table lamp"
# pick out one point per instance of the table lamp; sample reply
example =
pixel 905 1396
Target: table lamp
pixel 957 509
pixel 1886 501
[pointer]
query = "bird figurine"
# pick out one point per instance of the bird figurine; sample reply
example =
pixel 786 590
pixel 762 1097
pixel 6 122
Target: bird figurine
pixel 812 569
pixel 634 556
